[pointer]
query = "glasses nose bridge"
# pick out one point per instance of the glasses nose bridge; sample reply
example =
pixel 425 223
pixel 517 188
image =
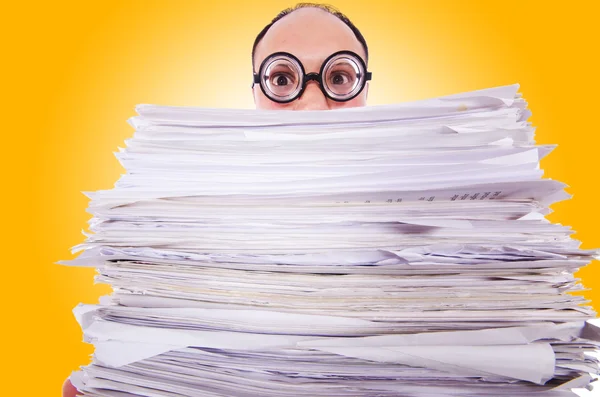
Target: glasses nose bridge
pixel 312 77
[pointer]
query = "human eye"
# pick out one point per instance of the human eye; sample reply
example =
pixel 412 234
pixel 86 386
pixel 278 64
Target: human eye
pixel 340 78
pixel 282 79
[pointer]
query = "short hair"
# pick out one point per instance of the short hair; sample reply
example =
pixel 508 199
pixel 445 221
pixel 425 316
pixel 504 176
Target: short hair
pixel 327 8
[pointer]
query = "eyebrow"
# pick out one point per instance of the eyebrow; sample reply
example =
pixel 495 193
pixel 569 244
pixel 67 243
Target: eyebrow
pixel 310 58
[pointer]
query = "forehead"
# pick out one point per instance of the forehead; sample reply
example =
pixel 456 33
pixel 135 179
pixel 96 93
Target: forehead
pixel 311 35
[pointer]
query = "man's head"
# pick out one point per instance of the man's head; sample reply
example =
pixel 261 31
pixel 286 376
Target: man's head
pixel 311 33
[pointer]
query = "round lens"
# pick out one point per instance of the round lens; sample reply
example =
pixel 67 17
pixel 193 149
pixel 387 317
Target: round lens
pixel 281 78
pixel 343 76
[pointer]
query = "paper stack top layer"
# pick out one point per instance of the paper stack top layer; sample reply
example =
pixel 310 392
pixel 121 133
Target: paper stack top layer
pixel 397 250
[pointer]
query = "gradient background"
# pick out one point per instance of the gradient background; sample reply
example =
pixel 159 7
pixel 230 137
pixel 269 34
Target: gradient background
pixel 75 70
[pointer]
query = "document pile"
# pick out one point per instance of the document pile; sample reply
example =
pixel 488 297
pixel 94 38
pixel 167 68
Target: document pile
pixel 397 250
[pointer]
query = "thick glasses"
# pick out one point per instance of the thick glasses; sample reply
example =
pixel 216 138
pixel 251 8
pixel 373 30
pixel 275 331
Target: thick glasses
pixel 282 79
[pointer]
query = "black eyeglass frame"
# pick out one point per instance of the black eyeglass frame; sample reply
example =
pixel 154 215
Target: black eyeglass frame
pixel 318 77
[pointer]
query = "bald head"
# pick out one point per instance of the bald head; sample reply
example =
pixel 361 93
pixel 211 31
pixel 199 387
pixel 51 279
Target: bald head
pixel 311 34
pixel 306 30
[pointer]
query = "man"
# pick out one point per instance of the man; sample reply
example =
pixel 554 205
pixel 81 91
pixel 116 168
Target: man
pixel 311 33
pixel 310 57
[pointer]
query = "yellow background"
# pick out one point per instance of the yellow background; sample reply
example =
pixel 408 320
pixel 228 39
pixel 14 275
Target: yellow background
pixel 73 72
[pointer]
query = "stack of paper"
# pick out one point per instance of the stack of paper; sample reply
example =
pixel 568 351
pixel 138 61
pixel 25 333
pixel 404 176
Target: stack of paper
pixel 397 250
